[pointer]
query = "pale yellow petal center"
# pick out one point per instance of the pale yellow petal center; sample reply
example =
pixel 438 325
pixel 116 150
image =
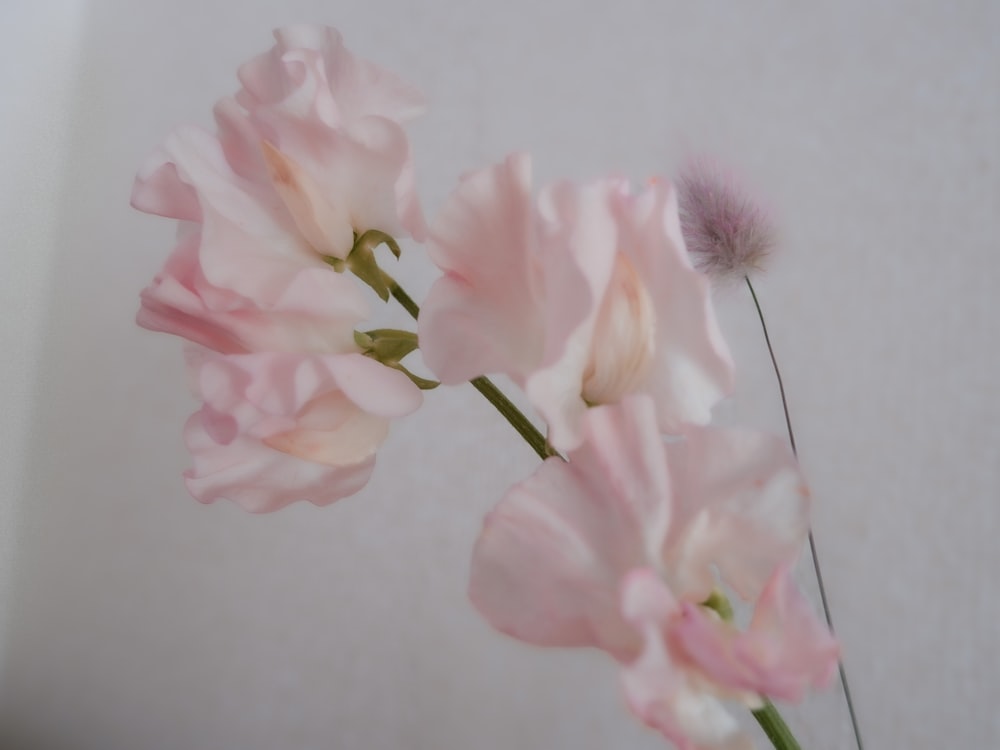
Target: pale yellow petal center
pixel 333 431
pixel 621 354
pixel 325 225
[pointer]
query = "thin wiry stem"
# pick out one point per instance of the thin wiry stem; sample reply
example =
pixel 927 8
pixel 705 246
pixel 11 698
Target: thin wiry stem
pixel 812 540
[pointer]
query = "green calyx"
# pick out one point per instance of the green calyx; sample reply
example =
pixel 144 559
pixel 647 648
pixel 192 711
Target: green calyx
pixel 389 346
pixel 718 603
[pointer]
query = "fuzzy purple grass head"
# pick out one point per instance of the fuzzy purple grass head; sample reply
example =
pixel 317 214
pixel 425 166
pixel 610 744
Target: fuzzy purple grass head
pixel 727 233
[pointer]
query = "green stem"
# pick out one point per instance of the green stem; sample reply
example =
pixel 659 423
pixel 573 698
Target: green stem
pixel 775 727
pixel 484 385
pixel 400 295
pixel 513 415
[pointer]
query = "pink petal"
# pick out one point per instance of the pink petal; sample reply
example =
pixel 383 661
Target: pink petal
pixel 241 141
pixel 658 689
pixel 309 72
pixel 277 428
pixel 171 304
pixel 158 189
pixel 578 263
pixel 482 316
pixel 742 508
pixel 583 299
pixel 317 311
pixel 785 651
pixel 324 224
pixel 331 117
pixel 370 169
pixel 375 388
pixel 340 117
pixel 693 370
pixel 344 437
pixel 261 479
pixel 547 566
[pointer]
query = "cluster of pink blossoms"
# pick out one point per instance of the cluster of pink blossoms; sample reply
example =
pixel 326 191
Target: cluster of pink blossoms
pixel 584 296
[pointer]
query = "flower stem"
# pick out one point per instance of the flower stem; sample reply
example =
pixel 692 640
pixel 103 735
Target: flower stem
pixel 775 727
pixel 515 416
pixel 812 539
pixel 400 295
pixel 484 385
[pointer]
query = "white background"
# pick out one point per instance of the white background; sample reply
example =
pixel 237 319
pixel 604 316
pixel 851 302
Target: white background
pixel 133 617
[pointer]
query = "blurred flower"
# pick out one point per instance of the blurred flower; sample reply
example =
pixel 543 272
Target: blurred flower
pixel 691 660
pixel 584 298
pixel 277 428
pixel 727 232
pixel 618 547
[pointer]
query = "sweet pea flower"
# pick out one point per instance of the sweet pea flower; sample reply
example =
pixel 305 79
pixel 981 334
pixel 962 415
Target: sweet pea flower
pixel 619 547
pixel 583 297
pixel 310 152
pixel 240 279
pixel 276 428
pixel 325 127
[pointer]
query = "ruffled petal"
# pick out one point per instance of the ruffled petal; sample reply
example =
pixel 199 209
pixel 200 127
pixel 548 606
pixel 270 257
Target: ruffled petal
pixel 578 263
pixel 158 189
pixel 658 689
pixel 341 116
pixel 483 316
pixel 548 563
pixel 742 508
pixel 310 73
pixel 785 650
pixel 325 225
pixel 261 479
pixel 276 428
pixel 316 312
pixel 692 369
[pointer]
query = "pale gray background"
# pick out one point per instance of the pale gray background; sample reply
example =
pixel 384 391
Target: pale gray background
pixel 133 617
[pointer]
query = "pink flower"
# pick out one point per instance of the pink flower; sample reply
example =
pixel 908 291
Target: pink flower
pixel 660 687
pixel 310 152
pixel 691 660
pixel 324 127
pixel 316 311
pixel 583 298
pixel 619 547
pixel 277 428
pixel 784 651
